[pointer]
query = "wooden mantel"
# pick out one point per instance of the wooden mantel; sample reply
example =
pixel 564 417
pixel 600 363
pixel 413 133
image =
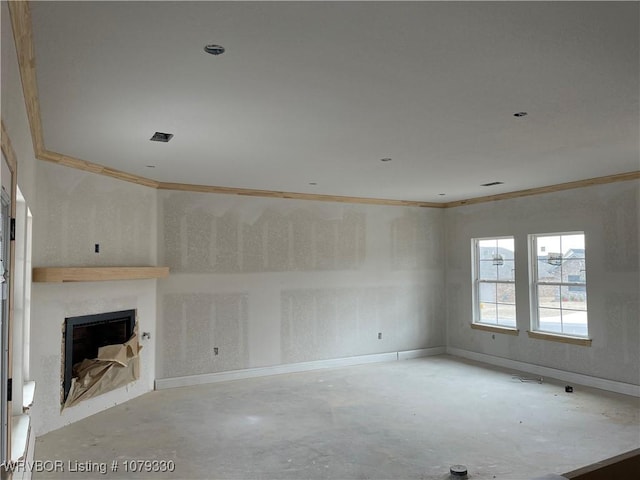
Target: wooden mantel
pixel 96 274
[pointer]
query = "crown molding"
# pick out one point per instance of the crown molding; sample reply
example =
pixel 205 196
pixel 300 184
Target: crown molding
pixel 80 164
pixel 620 177
pixel 20 14
pixel 23 35
pixel 185 187
pixel 7 149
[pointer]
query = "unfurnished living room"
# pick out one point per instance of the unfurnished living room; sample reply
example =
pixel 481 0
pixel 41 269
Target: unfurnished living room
pixel 320 240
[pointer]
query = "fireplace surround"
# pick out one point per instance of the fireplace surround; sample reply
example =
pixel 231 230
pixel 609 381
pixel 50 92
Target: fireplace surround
pixel 84 335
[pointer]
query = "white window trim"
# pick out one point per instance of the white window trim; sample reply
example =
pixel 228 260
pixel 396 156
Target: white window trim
pixel 475 271
pixel 535 331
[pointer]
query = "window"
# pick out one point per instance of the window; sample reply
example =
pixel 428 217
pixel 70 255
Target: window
pixel 559 284
pixel 494 282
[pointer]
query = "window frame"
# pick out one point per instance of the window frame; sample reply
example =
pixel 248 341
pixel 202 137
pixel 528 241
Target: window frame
pixel 534 283
pixel 475 274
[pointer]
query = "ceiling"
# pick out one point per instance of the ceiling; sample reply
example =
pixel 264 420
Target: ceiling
pixel 320 92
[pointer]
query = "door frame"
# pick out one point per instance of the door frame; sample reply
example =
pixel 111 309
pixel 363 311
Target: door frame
pixel 9 156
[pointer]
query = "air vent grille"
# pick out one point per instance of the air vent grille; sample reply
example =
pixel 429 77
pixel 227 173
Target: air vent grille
pixel 161 137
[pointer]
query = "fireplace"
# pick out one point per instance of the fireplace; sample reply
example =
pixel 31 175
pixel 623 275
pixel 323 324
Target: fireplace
pixel 83 336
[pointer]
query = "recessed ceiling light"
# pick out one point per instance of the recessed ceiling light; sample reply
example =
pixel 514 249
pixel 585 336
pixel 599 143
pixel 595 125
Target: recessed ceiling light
pixel 386 159
pixel 161 137
pixel 520 114
pixel 214 49
pixel 491 184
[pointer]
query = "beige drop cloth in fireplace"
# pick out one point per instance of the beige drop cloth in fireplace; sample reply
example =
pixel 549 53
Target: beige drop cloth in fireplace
pixel 115 366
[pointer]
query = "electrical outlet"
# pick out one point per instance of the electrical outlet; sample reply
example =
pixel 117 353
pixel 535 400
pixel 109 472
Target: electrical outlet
pixel 96 248
pixel 379 335
pixel 215 350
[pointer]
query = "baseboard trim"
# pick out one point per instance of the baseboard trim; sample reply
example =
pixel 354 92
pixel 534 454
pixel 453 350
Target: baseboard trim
pixel 578 378
pixel 423 352
pixel 206 378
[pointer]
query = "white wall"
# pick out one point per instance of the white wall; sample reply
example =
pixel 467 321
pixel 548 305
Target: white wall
pixel 273 281
pixel 608 214
pixel 76 210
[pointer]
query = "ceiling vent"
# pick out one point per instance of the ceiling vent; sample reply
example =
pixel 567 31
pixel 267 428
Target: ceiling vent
pixel 491 184
pixel 161 137
pixel 214 49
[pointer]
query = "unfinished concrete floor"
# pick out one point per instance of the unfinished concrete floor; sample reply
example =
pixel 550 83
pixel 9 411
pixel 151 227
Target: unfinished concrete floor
pixel 400 420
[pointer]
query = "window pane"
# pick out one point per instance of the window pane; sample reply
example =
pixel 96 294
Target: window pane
pixel 550 320
pixel 486 249
pixel 574 298
pixel 560 259
pixel 507 270
pixel 487 292
pixel 549 296
pixel 494 262
pixel 546 244
pixel 488 312
pixel 506 248
pixel 506 293
pixel 488 271
pixel 507 315
pixel 548 272
pixel 574 270
pixel 573 245
pixel 574 323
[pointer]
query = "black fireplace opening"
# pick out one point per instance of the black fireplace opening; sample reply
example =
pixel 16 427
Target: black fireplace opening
pixel 83 336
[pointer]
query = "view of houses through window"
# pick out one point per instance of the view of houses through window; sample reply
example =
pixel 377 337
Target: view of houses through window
pixel 559 293
pixel 558 277
pixel 494 292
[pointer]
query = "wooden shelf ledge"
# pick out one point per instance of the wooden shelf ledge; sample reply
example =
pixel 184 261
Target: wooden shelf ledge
pixel 585 342
pixel 96 274
pixel 495 329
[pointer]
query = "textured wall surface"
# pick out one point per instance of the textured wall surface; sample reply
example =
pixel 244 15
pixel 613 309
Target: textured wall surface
pixel 608 214
pixel 200 323
pixel 271 281
pixel 55 302
pixel 78 209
